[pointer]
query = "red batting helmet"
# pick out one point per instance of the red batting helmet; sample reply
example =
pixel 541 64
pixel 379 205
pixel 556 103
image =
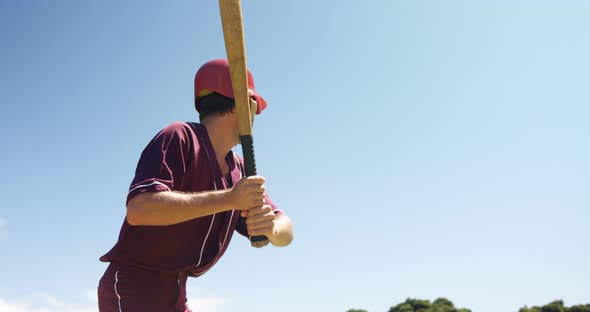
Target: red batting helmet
pixel 214 76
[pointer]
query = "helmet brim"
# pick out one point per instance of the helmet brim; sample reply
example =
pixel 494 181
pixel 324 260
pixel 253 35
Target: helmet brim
pixel 260 101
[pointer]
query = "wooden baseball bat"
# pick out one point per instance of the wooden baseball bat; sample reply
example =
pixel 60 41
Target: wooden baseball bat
pixel 235 47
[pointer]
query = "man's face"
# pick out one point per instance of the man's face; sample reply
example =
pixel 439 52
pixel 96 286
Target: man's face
pixel 253 109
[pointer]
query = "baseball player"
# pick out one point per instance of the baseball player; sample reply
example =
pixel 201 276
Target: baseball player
pixel 188 196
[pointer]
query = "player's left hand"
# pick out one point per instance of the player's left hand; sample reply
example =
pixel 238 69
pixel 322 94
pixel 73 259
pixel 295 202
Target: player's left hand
pixel 260 221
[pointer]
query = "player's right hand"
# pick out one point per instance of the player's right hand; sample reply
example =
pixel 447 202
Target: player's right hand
pixel 248 193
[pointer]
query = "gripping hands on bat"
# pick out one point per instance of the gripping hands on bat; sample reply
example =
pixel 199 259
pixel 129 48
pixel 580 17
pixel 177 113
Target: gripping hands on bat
pixel 233 33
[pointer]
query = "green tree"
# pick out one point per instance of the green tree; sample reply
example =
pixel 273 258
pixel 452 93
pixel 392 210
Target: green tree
pixel 444 305
pixel 580 308
pixel 402 307
pixel 555 306
pixel 417 305
pixel 443 302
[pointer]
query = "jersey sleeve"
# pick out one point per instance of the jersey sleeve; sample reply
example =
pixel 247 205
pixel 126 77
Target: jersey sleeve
pixel 241 225
pixel 162 164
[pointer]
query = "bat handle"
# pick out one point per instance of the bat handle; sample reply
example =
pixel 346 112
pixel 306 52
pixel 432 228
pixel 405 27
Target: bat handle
pixel 250 167
pixel 248 151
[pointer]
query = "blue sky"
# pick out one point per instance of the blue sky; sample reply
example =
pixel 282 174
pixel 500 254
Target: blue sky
pixel 423 148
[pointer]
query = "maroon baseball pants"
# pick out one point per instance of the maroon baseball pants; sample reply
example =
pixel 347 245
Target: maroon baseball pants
pixel 130 289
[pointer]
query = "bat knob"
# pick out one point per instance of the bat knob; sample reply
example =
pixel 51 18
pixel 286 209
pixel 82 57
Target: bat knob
pixel 259 244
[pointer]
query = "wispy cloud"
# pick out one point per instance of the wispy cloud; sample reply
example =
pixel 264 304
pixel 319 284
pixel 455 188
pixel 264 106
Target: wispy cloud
pixel 44 303
pixel 204 301
pixel 2 229
pixel 199 300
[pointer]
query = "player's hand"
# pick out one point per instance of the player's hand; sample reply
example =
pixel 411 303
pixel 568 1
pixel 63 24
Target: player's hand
pixel 260 221
pixel 247 193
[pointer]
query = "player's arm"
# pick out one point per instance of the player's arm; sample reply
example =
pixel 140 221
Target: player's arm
pixel 263 221
pixel 168 207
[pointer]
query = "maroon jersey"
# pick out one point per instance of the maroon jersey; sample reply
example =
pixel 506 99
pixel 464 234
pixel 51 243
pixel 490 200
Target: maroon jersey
pixel 180 158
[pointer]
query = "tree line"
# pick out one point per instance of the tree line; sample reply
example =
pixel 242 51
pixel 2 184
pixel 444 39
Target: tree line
pixel 445 305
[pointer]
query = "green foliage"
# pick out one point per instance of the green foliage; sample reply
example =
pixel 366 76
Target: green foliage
pixel 443 302
pixel 557 306
pixel 411 305
pixel 445 305
pixel 580 308
pixel 402 307
pixel 417 305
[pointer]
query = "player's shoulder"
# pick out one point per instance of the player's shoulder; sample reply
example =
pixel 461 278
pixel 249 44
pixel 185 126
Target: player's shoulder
pixel 177 125
pixel 178 128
